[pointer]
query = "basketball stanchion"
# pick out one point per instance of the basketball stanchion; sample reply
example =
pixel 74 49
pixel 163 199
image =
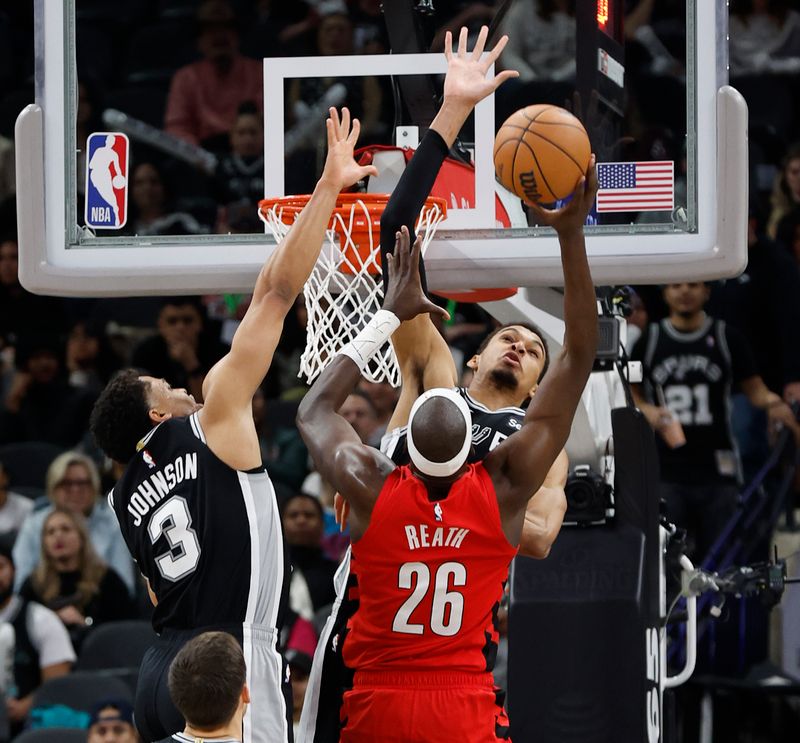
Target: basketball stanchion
pixel 345 288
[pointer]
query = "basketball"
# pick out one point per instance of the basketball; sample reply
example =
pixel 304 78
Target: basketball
pixel 119 181
pixel 540 153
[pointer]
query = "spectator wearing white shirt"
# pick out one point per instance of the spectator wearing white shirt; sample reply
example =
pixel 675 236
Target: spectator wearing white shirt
pixel 41 646
pixel 74 483
pixel 14 508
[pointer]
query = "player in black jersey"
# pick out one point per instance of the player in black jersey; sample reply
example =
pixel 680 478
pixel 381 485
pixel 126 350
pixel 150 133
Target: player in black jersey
pixel 693 362
pixel 195 505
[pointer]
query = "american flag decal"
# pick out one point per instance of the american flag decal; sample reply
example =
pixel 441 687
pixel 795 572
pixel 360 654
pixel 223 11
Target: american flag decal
pixel 636 187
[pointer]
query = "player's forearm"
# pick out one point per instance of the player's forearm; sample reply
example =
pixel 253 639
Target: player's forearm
pixel 287 270
pixel 328 393
pixel 580 303
pixel 543 519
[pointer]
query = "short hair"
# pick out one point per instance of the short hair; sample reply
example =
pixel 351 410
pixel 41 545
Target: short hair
pixel 364 396
pixel 528 326
pixel 59 466
pixel 121 417
pixel 206 679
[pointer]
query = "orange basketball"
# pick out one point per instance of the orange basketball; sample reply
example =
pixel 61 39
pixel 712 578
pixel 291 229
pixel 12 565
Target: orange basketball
pixel 541 152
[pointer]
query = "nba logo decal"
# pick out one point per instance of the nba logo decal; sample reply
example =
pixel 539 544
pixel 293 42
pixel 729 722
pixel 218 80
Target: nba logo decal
pixel 437 512
pixel 106 180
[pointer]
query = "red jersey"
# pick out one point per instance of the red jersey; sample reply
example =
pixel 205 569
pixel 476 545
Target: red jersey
pixel 430 578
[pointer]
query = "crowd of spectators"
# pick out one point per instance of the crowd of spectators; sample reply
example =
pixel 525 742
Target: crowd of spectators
pixel 69 563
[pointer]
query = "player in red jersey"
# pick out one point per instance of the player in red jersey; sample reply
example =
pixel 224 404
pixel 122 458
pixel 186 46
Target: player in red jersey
pixel 432 541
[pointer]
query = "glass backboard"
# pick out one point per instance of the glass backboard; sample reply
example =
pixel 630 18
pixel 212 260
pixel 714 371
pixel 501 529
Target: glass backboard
pixel 646 91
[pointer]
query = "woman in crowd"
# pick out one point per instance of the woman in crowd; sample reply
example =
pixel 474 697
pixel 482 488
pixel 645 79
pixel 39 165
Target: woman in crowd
pixel 786 192
pixel 73 483
pixel 72 580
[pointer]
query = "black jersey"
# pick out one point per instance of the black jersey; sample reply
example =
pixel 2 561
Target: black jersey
pixel 207 537
pixel 696 372
pixel 489 428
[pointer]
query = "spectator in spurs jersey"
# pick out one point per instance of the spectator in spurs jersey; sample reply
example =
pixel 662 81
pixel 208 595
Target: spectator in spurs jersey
pixel 72 580
pixel 204 96
pixel 691 361
pixel 73 482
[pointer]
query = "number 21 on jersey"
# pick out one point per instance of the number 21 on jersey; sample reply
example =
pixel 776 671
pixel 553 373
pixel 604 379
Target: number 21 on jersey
pixel 447 606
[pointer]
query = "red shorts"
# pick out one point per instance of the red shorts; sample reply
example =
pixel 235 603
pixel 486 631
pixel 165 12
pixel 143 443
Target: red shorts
pixel 423 708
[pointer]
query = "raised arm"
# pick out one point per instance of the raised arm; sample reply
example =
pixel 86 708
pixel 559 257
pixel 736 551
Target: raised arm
pixel 423 355
pixel 520 464
pixel 229 386
pixel 356 470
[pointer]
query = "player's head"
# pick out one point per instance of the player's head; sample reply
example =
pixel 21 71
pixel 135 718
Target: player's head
pixel 207 681
pixel 129 406
pixel 686 299
pixel 514 358
pixel 439 433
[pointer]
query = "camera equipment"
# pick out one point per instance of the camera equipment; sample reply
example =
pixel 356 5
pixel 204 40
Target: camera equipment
pixel 590 499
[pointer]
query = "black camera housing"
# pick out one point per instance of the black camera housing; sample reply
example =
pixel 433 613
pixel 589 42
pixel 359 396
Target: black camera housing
pixel 590 499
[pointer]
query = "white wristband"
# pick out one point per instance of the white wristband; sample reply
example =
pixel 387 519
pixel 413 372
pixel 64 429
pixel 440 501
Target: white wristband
pixel 371 338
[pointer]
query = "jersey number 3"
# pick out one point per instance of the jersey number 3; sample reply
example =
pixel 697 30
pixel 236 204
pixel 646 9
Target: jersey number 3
pixel 442 623
pixel 174 522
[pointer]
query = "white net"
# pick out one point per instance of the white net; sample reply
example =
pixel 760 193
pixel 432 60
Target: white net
pixel 345 288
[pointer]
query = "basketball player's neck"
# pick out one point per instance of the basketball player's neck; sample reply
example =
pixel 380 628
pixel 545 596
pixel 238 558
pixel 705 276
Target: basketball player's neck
pixel 484 391
pixel 231 731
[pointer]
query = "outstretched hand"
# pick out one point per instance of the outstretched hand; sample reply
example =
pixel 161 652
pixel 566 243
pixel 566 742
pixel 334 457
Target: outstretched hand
pixel 466 80
pixel 572 216
pixel 404 295
pixel 341 169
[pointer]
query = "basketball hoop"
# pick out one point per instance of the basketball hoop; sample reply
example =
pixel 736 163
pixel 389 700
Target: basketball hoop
pixel 345 288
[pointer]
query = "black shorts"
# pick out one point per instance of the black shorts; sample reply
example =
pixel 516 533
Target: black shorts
pixel 156 717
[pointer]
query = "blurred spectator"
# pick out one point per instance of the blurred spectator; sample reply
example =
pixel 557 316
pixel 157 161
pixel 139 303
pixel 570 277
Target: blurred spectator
pixel 90 358
pixel 20 311
pixel 788 235
pixel 111 721
pixel 470 13
pixel 764 37
pixel 311 587
pixel 73 483
pixel 690 362
pixel 384 398
pixel 300 667
pixel 785 196
pixel 369 28
pixel 282 378
pixel 8 183
pixel 181 353
pixel 72 580
pixel 41 649
pixel 14 508
pixel 40 405
pixel 541 39
pixel 762 303
pixel 359 411
pixel 306 103
pixel 204 96
pixel 282 449
pixel 240 174
pixel 281 29
pixel 151 209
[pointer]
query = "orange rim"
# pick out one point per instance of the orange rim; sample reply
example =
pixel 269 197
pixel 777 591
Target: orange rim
pixel 288 207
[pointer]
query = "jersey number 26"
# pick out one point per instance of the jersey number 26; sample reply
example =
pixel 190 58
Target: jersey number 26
pixel 441 623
